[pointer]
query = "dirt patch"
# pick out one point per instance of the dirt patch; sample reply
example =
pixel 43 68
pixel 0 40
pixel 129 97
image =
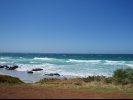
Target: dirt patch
pixel 35 92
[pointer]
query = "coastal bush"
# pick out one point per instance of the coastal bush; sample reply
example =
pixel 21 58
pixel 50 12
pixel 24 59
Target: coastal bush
pixel 123 76
pixel 42 81
pixel 94 78
pixel 9 79
pixel 120 77
pixel 108 80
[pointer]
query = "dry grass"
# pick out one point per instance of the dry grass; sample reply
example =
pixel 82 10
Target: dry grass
pixel 75 85
pixel 79 84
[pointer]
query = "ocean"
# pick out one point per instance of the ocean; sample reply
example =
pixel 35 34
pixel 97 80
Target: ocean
pixel 80 65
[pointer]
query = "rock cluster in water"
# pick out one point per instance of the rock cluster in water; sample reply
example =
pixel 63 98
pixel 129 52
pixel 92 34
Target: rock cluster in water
pixel 29 72
pixel 53 74
pixel 9 67
pixel 35 69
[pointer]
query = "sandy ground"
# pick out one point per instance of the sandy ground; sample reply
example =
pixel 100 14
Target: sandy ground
pixel 34 92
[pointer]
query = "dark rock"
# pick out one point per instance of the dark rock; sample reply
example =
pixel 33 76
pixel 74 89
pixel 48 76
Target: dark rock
pixel 37 69
pixel 5 66
pixel 1 66
pixel 12 68
pixel 29 72
pixel 53 74
pixel 56 74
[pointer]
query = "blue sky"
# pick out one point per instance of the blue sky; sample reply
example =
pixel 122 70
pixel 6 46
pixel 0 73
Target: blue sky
pixel 66 26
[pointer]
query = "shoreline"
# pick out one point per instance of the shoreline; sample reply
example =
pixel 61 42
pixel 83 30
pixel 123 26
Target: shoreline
pixel 33 78
pixel 117 86
pixel 36 74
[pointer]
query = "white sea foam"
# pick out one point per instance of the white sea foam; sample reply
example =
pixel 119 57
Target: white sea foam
pixel 65 70
pixel 84 61
pixel 4 58
pixel 32 62
pixel 85 74
pixel 130 65
pixel 3 62
pixel 36 58
pixel 109 62
pixel 27 67
pixel 50 60
pixel 67 67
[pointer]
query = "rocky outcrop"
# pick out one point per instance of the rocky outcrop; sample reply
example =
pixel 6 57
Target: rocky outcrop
pixel 53 74
pixel 30 72
pixel 37 69
pixel 1 66
pixel 11 68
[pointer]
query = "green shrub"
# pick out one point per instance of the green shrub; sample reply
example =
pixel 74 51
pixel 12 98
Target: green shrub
pixel 123 76
pixel 9 79
pixel 108 80
pixel 120 76
pixel 129 72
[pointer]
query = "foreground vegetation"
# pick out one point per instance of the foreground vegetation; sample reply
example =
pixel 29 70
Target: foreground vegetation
pixel 120 77
pixel 5 79
pixel 121 81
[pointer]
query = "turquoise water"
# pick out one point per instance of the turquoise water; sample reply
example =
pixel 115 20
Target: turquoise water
pixel 69 64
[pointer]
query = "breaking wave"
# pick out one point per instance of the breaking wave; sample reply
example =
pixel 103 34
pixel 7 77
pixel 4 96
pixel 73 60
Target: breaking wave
pixel 130 65
pixel 84 61
pixel 109 62
pixel 36 58
pixel 69 66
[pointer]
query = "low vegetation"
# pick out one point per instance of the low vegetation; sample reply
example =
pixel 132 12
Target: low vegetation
pixel 121 80
pixel 120 76
pixel 123 76
pixel 9 79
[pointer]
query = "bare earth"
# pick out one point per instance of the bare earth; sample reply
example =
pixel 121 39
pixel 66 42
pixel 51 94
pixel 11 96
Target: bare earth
pixel 34 92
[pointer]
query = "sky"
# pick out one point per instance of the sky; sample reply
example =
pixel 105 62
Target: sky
pixel 66 26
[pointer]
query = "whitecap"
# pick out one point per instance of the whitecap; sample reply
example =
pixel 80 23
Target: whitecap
pixel 3 62
pixel 130 65
pixel 84 61
pixel 110 62
pixel 85 74
pixel 4 58
pixel 32 62
pixel 27 67
pixel 36 58
pixel 49 60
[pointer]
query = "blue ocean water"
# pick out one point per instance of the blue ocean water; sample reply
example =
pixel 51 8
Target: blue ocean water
pixel 69 64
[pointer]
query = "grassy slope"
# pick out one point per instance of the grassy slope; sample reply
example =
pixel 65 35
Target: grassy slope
pixel 75 85
pixel 79 85
pixel 5 79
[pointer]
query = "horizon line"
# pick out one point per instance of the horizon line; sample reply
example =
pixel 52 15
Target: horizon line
pixel 58 53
